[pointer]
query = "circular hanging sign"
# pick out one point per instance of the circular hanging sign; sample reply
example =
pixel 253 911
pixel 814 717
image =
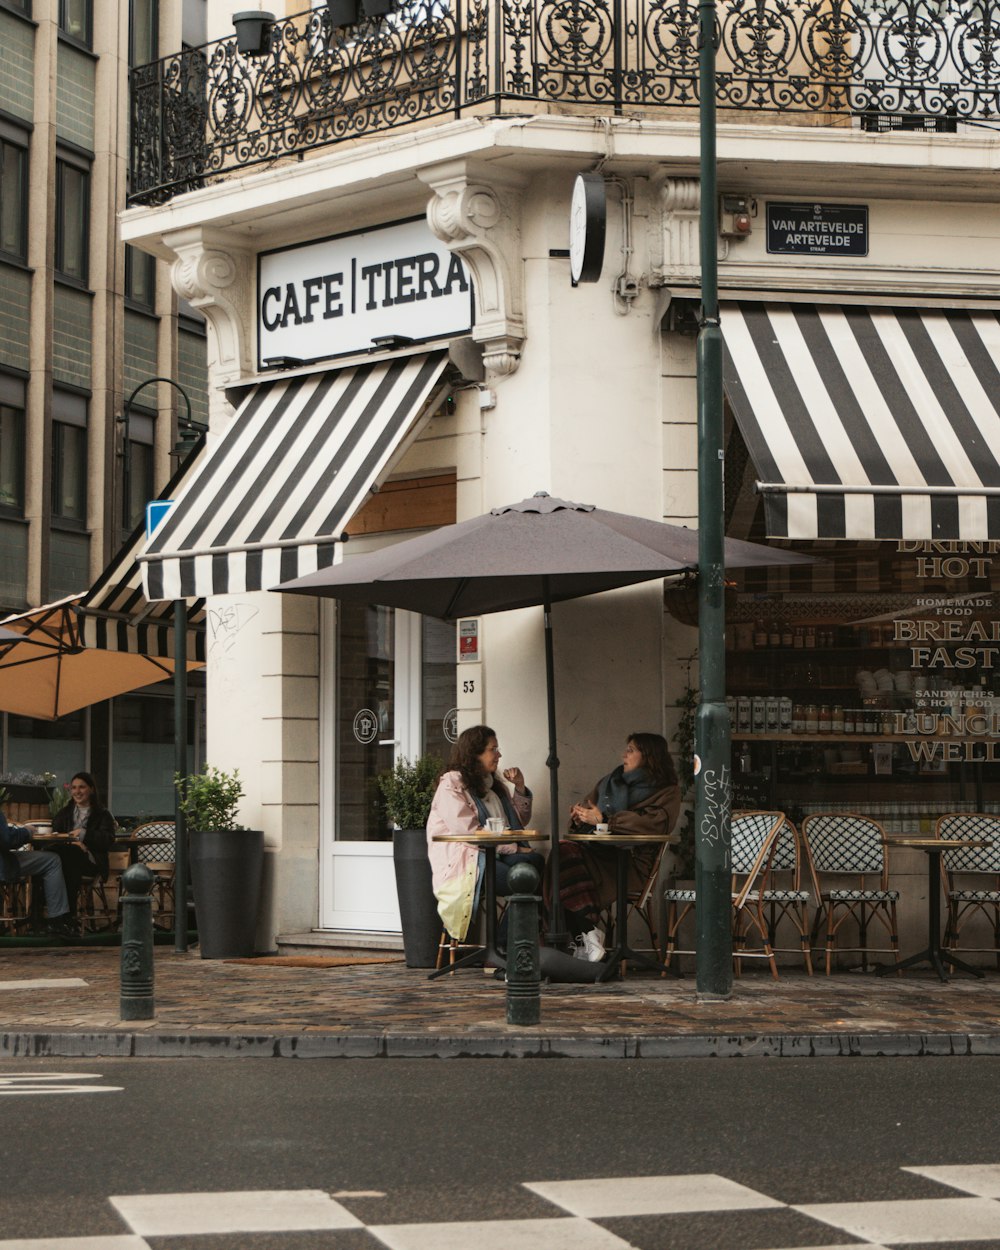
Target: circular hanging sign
pixel 588 217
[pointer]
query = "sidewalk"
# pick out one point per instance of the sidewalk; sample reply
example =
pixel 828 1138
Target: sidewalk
pixel 68 1006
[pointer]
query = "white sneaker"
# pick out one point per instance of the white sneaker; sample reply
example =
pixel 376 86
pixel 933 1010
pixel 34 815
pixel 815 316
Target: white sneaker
pixel 593 945
pixel 579 949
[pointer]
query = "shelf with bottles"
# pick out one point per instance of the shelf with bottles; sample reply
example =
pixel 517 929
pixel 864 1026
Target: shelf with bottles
pixel 764 637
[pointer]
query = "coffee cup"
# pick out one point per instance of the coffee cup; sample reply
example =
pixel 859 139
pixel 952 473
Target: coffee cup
pixel 602 827
pixel 495 824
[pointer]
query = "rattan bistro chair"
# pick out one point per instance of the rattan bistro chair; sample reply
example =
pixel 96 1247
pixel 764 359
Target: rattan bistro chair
pixel 783 896
pixel 849 867
pixel 752 838
pixel 157 849
pixel 971 876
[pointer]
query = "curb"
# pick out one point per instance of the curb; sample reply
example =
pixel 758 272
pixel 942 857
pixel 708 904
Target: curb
pixel 123 1044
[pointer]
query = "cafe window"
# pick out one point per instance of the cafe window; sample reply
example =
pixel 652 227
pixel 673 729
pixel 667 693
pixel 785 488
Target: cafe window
pixel 13 195
pixel 396 698
pixel 76 20
pixel 869 682
pixel 72 219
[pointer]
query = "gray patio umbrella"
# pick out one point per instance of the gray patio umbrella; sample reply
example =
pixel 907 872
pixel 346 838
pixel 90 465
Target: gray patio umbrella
pixel 533 553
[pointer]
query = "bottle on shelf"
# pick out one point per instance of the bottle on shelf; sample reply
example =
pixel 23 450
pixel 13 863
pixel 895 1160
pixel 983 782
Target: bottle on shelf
pixel 787 635
pixel 774 633
pixel 824 719
pixel 759 635
pixel 798 638
pixel 837 720
pixel 812 718
pixel 810 636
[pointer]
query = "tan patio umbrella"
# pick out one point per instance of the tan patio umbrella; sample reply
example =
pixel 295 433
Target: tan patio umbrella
pixel 47 672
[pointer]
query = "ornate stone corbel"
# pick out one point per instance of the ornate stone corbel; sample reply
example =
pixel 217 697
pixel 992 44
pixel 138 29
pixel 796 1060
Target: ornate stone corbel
pixel 680 201
pixel 218 280
pixel 481 222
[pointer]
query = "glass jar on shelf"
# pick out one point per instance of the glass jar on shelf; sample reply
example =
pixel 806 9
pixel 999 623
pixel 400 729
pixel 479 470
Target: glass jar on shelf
pixel 812 718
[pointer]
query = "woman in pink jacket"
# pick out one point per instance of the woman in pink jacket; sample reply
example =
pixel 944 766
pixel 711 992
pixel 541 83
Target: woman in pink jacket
pixel 467 794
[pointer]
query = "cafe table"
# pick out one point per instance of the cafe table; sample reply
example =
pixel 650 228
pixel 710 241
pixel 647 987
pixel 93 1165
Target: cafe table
pixel 488 955
pixel 934 954
pixel 623 844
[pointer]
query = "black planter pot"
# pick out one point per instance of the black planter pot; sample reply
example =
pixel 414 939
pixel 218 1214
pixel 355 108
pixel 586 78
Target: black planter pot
pixel 226 868
pixel 417 904
pixel 343 12
pixel 253 32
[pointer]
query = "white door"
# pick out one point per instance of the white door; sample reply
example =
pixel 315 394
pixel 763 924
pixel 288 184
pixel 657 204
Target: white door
pixel 388 691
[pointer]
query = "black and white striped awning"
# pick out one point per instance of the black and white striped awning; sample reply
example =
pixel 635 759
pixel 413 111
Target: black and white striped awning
pixel 271 499
pixel 117 616
pixel 869 423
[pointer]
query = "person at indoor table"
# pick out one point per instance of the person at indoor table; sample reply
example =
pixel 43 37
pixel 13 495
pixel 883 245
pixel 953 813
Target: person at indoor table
pixel 91 830
pixel 640 796
pixel 468 793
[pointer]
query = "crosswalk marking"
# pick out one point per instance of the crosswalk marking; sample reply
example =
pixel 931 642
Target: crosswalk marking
pixel 250 1211
pixel 115 1242
pixel 877 1225
pixel 983 1180
pixel 650 1195
pixel 14 1085
pixel 914 1219
pixel 539 1234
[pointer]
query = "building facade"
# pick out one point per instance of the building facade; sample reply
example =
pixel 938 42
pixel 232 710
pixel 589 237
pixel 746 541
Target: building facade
pixel 291 188
pixel 86 321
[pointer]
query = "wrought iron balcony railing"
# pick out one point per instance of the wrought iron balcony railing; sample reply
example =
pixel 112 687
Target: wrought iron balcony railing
pixel 881 64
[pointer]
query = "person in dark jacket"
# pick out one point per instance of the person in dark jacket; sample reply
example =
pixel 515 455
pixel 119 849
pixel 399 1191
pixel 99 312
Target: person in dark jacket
pixel 16 863
pixel 92 831
pixel 640 796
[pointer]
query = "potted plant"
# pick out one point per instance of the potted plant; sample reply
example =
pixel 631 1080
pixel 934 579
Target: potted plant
pixel 407 790
pixel 227 861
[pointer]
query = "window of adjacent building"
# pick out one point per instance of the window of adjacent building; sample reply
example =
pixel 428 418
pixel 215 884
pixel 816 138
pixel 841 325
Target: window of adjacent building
pixel 11 460
pixel 72 219
pixel 143 45
pixel 140 277
pixel 75 19
pixel 13 198
pixel 69 458
pixel 140 466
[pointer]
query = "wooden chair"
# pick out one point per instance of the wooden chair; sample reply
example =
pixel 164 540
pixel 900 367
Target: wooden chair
pixel 971 876
pixel 849 868
pixel 15 904
pixel 97 905
pixel 752 837
pixel 783 895
pixel 640 901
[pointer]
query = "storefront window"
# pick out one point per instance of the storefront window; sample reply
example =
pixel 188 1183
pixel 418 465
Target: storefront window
pixel 38 746
pixel 870 682
pixel 396 697
pixel 142 755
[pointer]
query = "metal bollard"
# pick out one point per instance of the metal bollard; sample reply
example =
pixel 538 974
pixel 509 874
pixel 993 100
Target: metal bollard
pixel 137 944
pixel 523 978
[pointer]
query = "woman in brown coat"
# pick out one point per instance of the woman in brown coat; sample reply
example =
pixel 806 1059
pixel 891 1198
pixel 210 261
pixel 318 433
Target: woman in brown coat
pixel 640 796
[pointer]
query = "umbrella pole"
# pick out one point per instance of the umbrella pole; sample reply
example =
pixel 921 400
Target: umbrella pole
pixel 557 935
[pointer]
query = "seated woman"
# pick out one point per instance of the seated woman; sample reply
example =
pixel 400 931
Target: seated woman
pixel 467 794
pixel 92 829
pixel 640 796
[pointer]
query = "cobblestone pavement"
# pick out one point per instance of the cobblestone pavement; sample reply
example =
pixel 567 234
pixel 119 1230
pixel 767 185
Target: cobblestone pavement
pixel 207 1006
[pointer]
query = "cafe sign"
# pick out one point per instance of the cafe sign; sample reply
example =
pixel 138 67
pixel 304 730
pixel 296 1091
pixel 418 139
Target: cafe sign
pixel 817 229
pixel 334 297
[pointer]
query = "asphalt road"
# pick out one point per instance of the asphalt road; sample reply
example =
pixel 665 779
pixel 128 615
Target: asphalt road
pixel 455 1140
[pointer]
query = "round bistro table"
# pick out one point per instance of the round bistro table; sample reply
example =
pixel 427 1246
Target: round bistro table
pixel 623 844
pixel 934 954
pixel 487 955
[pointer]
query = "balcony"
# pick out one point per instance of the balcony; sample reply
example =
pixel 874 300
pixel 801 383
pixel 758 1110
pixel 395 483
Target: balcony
pixel 210 112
